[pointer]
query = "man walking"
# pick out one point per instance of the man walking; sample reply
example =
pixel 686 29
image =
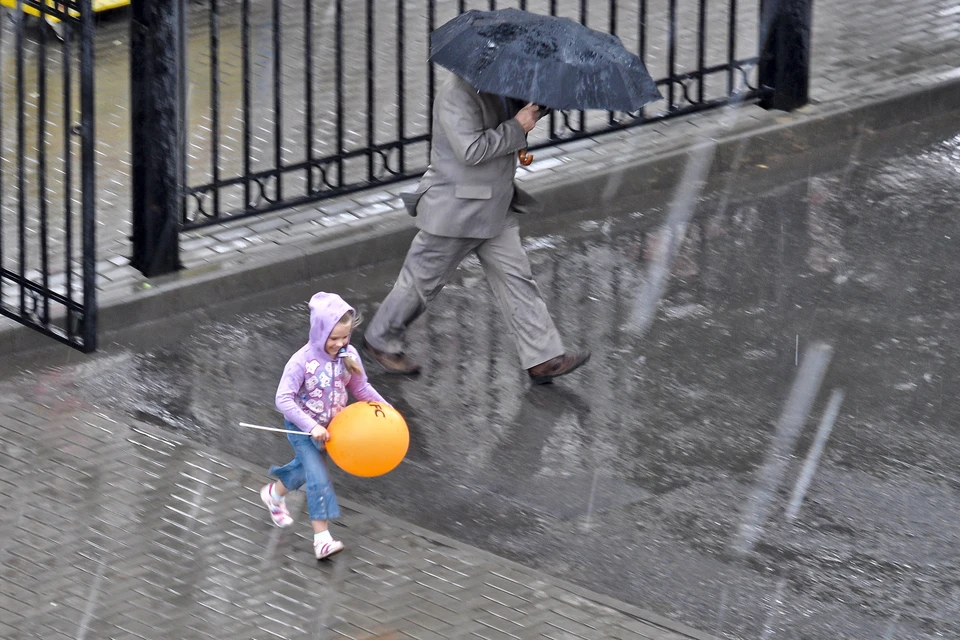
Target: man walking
pixel 466 202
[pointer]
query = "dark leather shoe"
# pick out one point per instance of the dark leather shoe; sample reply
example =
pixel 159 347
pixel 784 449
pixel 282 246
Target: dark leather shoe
pixel 391 362
pixel 545 372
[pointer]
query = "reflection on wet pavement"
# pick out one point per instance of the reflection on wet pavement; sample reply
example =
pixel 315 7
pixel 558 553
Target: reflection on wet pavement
pixel 633 475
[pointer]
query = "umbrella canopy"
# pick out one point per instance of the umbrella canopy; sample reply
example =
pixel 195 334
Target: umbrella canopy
pixel 554 62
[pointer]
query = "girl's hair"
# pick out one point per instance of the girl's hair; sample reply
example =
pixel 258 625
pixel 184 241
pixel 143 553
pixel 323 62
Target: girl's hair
pixel 354 319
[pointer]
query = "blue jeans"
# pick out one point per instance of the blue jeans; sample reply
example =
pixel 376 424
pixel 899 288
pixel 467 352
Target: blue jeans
pixel 308 467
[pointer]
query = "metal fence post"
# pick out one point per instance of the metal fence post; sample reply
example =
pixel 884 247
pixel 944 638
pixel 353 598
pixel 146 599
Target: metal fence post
pixel 784 68
pixel 88 168
pixel 156 87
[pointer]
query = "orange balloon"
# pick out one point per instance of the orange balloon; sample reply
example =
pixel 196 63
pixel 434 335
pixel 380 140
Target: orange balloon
pixel 368 439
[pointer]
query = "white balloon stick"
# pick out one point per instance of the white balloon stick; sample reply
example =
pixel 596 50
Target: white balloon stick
pixel 256 426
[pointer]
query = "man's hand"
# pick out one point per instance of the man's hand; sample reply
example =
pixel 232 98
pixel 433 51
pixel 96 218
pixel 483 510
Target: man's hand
pixel 528 116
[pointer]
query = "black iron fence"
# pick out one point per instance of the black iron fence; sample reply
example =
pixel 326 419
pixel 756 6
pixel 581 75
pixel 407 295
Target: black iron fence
pixel 277 103
pixel 47 263
pixel 294 101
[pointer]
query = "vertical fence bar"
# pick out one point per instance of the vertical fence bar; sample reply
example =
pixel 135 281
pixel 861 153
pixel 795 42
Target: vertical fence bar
pixel 308 88
pixel 583 21
pixel 88 203
pixel 672 52
pixel 215 102
pixel 277 104
pixel 371 87
pixel 401 112
pixel 182 125
pixel 642 31
pixel 613 30
pixel 553 115
pixel 2 95
pixel 461 6
pixel 731 47
pixel 642 39
pixel 245 64
pixel 41 114
pixel 701 49
pixel 21 168
pixel 431 72
pixel 339 89
pixel 68 174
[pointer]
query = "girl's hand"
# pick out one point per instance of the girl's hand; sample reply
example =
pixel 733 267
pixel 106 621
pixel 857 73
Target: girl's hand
pixel 319 434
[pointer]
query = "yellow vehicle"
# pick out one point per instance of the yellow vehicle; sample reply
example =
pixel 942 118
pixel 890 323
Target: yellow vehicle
pixel 52 20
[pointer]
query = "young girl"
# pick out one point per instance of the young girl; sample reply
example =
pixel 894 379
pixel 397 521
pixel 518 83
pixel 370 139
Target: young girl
pixel 312 391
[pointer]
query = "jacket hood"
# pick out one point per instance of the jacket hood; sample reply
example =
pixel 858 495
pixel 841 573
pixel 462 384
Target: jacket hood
pixel 326 309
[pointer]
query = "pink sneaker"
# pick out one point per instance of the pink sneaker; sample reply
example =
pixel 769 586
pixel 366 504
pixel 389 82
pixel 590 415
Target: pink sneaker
pixel 278 508
pixel 327 549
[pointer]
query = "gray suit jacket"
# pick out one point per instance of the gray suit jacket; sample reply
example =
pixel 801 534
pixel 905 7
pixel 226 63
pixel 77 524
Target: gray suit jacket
pixel 468 191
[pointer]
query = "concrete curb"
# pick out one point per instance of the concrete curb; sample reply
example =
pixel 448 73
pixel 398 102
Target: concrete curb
pixel 387 237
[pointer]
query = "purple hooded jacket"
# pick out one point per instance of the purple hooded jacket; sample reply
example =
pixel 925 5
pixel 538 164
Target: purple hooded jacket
pixel 314 386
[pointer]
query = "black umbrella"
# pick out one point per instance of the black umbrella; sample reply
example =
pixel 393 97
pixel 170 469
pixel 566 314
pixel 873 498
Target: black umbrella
pixel 553 62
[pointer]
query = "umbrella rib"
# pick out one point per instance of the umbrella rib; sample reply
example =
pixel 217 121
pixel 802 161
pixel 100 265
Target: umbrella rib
pixel 627 84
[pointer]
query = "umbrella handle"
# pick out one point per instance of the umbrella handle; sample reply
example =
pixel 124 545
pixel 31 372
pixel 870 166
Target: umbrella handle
pixel 525 157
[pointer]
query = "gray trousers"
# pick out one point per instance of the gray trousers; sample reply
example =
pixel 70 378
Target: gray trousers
pixel 432 261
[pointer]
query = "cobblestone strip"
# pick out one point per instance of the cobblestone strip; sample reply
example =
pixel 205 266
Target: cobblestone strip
pixel 117 530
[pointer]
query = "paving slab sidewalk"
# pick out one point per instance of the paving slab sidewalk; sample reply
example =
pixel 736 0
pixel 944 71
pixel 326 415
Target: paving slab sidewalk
pixel 116 529
pixel 863 54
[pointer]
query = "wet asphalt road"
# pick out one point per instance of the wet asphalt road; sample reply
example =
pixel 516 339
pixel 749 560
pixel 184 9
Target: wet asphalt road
pixel 634 477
